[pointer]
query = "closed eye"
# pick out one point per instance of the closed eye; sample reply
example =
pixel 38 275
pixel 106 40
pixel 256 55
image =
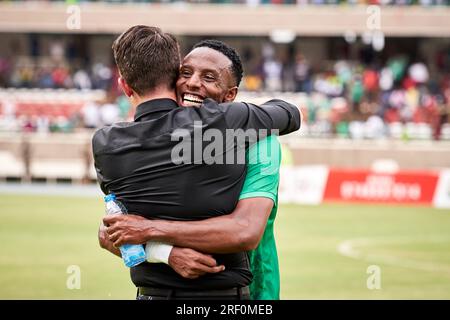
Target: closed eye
pixel 185 73
pixel 209 78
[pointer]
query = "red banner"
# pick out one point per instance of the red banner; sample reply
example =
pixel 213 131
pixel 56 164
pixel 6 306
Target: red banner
pixel 405 187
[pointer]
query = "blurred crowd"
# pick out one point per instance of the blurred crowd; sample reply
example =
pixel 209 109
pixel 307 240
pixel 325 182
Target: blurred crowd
pixel 358 98
pixel 50 74
pixel 343 95
pixel 86 115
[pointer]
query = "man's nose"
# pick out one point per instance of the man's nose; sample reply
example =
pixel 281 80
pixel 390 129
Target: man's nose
pixel 193 82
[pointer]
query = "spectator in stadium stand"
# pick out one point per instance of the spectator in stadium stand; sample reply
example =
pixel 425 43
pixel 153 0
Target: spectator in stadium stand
pixel 218 234
pixel 90 114
pixel 109 112
pixel 81 80
pixel 178 192
pixel 5 69
pixel 302 74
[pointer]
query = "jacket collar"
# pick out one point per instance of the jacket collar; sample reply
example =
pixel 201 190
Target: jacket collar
pixel 147 108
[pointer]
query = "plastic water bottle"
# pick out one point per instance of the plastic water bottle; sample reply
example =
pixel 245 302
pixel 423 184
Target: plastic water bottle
pixel 132 254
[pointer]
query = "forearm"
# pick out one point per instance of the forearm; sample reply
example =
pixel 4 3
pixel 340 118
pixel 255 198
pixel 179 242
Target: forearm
pixel 215 235
pixel 236 232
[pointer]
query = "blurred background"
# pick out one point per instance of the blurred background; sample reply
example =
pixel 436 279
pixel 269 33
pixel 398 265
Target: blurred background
pixel 365 182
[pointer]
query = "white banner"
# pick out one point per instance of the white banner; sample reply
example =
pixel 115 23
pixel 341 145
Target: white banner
pixel 442 194
pixel 302 185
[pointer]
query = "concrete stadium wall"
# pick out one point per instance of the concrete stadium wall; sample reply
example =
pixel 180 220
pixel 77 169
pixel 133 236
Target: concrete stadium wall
pixel 46 156
pixel 366 153
pixel 186 19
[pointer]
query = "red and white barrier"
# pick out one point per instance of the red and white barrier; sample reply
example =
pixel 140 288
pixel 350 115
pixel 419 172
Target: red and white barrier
pixel 318 184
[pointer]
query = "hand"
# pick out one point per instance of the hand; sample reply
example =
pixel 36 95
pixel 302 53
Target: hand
pixel 104 241
pixel 192 264
pixel 126 229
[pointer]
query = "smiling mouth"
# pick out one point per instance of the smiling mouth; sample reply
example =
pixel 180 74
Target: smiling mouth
pixel 192 100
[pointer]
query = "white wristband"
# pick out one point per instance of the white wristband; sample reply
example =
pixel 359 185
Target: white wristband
pixel 157 252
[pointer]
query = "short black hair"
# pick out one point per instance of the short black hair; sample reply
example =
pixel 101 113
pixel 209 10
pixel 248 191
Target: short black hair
pixel 229 52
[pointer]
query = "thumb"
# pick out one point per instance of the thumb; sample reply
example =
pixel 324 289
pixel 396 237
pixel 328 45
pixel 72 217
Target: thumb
pixel 217 269
pixel 109 219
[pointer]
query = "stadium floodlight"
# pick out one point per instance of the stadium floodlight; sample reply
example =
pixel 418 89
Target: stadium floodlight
pixel 282 36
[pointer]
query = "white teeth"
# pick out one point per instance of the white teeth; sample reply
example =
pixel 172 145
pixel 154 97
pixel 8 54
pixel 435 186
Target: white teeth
pixel 192 98
pixel 188 103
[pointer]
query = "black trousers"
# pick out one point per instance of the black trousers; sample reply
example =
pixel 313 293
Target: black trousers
pixel 176 294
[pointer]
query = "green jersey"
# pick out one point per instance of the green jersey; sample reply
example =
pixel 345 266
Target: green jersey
pixel 263 164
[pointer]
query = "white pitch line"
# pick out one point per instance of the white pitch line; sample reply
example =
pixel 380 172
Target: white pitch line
pixel 348 248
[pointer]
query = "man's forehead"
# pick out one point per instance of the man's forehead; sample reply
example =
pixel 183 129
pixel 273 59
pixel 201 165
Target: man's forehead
pixel 204 56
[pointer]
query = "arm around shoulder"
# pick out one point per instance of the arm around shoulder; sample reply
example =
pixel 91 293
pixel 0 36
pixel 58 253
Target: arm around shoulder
pixel 272 115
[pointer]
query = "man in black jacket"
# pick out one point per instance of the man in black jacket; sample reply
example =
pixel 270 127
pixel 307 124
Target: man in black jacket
pixel 137 162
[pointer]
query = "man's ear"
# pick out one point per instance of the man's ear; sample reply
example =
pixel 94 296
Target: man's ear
pixel 231 94
pixel 125 87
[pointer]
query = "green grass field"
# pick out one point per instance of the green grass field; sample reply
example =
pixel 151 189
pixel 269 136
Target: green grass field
pixel 41 236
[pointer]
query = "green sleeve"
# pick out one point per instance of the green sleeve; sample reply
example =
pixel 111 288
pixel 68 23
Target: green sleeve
pixel 263 166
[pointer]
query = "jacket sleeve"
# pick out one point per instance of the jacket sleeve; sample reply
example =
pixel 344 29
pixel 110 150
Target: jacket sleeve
pixel 272 115
pixel 97 146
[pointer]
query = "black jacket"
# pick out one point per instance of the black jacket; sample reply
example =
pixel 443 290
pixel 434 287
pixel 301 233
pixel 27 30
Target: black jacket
pixel 135 160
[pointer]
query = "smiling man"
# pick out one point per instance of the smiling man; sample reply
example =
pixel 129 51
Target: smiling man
pixel 211 70
pixel 214 70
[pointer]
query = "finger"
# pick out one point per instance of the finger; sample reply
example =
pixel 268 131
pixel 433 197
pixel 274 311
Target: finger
pixel 217 269
pixel 113 218
pixel 207 255
pixel 112 229
pixel 107 220
pixel 202 269
pixel 119 242
pixel 114 237
pixel 207 260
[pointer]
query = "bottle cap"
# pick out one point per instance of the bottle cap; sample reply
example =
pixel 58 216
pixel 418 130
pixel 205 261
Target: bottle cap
pixel 110 197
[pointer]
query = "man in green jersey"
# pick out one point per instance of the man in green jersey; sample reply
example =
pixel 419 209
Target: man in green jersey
pixel 208 71
pixel 262 181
